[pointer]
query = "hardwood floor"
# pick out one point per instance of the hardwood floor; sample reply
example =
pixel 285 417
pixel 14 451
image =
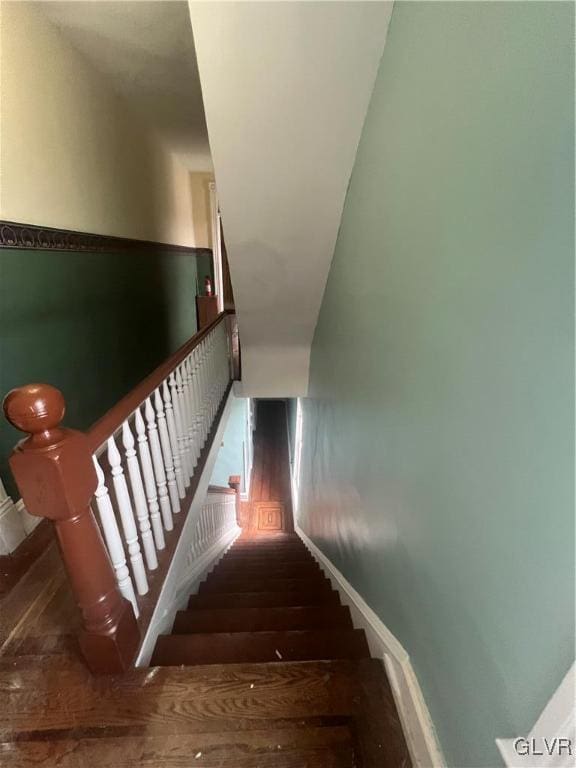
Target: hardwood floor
pixel 270 507
pixel 274 673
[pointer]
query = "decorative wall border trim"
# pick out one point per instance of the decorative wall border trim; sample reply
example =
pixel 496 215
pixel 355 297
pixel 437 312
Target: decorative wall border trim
pixel 34 237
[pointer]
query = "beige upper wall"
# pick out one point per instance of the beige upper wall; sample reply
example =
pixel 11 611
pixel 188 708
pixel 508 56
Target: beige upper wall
pixel 72 155
pixel 202 219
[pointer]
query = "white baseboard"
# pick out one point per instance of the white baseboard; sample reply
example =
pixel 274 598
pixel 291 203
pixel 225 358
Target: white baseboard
pixel 417 724
pixel 30 522
pixel 12 532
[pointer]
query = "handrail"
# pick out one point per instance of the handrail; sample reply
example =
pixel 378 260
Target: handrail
pixel 108 424
pixel 221 489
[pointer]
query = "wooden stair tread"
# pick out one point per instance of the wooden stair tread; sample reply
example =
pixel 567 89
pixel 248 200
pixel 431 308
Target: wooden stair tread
pixel 261 563
pixel 262 599
pixel 224 698
pixel 241 583
pixel 267 548
pixel 270 646
pixel 268 552
pixel 269 541
pixel 193 699
pixel 260 619
pixel 290 747
pixel 266 569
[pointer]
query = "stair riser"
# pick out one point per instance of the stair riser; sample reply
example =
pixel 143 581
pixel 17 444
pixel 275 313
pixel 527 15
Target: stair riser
pixel 262 599
pixel 268 569
pixel 263 557
pixel 265 574
pixel 262 619
pixel 259 647
pixel 263 565
pixel 270 554
pixel 228 584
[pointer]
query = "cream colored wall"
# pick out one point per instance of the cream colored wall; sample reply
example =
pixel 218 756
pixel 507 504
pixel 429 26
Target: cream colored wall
pixel 282 167
pixel 202 224
pixel 72 155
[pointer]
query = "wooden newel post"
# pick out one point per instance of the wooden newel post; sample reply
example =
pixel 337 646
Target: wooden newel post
pixel 234 481
pixel 54 472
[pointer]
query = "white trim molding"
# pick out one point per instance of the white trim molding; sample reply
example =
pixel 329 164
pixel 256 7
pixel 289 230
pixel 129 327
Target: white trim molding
pixel 12 530
pixel 216 246
pixel 552 741
pixel 28 521
pixel 418 727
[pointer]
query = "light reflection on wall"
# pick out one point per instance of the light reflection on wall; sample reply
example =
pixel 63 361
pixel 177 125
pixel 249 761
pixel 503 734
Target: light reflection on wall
pixel 329 505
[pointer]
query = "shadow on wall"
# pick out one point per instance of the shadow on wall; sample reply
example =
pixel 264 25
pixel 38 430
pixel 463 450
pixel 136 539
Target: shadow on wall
pixel 91 324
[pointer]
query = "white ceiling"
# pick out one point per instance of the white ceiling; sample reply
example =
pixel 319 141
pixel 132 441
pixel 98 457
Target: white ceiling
pixel 286 89
pixel 146 50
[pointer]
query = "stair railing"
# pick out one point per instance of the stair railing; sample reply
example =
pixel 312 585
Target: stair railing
pixel 217 518
pixel 119 493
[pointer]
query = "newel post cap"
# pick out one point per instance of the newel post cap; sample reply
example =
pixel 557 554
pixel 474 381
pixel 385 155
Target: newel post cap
pixel 53 467
pixel 36 409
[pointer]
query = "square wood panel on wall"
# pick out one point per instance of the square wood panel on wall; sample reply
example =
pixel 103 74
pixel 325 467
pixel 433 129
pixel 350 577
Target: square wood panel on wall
pixel 270 515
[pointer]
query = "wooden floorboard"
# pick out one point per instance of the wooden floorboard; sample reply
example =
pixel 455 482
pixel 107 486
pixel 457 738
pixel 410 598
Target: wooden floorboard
pixel 330 746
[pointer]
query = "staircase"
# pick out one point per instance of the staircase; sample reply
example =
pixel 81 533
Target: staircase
pixel 263 670
pixel 266 601
pixel 268 616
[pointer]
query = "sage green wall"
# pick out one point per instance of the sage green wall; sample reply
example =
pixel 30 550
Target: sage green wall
pixel 438 434
pixel 230 459
pixel 92 324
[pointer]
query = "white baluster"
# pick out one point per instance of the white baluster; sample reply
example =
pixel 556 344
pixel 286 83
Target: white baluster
pixel 203 528
pixel 185 416
pixel 195 445
pixel 166 452
pixel 193 405
pixel 173 436
pixel 216 373
pixel 213 523
pixel 201 368
pixel 232 513
pixel 196 401
pixel 158 464
pixel 188 396
pixel 209 382
pixel 140 503
pixel 216 379
pixel 179 424
pixel 212 379
pixel 127 518
pixel 195 538
pixel 209 525
pixel 113 539
pixel 226 357
pixel 149 481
